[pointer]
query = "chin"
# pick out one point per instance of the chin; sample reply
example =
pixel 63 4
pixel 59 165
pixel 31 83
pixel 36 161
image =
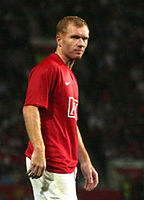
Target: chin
pixel 78 57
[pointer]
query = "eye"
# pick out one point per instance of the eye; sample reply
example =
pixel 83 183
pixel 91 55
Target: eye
pixel 85 38
pixel 75 37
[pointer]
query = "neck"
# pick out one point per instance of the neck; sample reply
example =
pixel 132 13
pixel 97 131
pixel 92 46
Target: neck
pixel 69 63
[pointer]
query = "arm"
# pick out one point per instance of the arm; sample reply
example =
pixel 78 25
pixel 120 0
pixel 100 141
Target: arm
pixel 88 171
pixel 32 122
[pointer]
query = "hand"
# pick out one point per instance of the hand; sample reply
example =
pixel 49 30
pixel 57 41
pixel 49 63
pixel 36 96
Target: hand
pixel 90 176
pixel 37 166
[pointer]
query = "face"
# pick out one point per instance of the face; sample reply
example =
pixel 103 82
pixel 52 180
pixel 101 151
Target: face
pixel 74 42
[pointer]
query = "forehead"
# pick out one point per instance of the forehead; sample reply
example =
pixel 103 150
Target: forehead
pixel 74 30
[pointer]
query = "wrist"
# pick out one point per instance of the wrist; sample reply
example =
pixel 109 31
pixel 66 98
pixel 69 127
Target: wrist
pixel 84 160
pixel 39 148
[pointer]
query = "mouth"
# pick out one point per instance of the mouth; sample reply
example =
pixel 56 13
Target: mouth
pixel 78 51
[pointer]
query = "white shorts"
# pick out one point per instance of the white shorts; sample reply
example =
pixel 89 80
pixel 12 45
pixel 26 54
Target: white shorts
pixel 52 186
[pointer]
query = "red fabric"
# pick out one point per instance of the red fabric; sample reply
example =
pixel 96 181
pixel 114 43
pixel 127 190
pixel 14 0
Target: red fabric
pixel 53 88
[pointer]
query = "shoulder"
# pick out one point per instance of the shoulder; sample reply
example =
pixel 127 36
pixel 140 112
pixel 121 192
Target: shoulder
pixel 47 66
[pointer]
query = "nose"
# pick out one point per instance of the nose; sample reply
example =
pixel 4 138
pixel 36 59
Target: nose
pixel 81 42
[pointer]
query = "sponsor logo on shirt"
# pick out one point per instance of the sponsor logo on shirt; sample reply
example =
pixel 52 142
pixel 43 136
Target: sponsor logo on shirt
pixel 72 108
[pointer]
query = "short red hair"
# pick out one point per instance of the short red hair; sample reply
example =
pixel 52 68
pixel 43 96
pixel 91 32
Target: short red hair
pixel 64 22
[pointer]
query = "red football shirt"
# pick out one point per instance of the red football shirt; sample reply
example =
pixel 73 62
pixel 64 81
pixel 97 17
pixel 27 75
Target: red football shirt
pixel 52 87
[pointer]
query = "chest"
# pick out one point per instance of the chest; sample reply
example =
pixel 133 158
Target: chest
pixel 66 86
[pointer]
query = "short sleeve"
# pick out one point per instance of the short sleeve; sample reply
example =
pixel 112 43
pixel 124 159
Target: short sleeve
pixel 40 86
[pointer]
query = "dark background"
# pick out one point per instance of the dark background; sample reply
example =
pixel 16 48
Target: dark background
pixel 111 84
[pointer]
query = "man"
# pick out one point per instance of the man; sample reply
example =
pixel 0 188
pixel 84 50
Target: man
pixel 50 114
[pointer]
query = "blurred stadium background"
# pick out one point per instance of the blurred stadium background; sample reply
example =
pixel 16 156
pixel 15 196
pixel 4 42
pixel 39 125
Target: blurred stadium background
pixel 111 83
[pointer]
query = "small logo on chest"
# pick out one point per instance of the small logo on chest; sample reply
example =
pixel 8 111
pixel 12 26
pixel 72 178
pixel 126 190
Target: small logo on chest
pixel 72 108
pixel 67 83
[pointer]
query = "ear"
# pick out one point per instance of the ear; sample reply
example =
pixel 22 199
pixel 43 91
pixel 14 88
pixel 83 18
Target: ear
pixel 59 40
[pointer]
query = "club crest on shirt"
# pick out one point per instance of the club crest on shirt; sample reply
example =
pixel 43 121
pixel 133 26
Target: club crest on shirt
pixel 72 108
